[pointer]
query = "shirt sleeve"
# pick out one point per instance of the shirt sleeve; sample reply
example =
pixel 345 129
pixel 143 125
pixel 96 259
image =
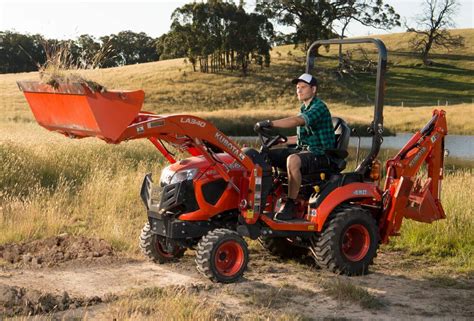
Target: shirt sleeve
pixel 311 115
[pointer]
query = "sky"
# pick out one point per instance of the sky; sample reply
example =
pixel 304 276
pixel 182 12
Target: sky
pixel 68 19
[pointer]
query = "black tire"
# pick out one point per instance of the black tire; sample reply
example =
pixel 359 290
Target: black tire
pixel 282 247
pixel 348 243
pixel 152 246
pixel 222 256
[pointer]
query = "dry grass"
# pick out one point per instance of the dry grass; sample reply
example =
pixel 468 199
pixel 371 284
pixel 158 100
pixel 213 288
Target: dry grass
pixel 62 67
pixel 344 291
pixel 449 241
pixel 51 184
pixel 171 87
pixel 165 304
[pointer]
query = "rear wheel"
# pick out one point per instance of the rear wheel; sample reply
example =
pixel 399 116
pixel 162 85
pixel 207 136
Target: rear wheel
pixel 222 256
pixel 153 246
pixel 282 247
pixel 348 242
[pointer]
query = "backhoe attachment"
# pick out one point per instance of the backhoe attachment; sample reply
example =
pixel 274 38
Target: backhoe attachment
pixel 410 191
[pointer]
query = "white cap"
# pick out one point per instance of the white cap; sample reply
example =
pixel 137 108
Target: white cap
pixel 307 78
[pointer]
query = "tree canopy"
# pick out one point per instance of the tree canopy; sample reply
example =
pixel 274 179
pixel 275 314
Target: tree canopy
pixel 431 29
pixel 218 35
pixel 318 19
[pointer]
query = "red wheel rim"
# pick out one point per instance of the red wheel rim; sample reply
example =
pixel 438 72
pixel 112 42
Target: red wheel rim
pixel 160 249
pixel 355 242
pixel 229 258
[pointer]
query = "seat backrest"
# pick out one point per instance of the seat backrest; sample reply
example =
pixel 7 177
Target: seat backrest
pixel 342 133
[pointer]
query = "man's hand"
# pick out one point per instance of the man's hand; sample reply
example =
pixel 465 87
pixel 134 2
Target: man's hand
pixel 262 124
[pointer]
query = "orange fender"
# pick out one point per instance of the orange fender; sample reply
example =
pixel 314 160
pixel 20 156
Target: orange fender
pixel 353 191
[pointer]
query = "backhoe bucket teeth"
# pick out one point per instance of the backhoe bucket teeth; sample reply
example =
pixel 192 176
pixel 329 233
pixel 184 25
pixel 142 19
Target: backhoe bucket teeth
pixel 75 110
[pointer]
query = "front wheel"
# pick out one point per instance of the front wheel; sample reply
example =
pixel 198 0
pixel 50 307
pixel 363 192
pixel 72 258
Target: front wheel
pixel 222 256
pixel 348 242
pixel 153 246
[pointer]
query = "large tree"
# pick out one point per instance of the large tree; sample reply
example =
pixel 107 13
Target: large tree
pixel 218 34
pixel 318 19
pixel 431 28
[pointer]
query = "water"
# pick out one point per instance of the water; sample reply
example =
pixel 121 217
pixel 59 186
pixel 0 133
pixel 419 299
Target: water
pixel 460 146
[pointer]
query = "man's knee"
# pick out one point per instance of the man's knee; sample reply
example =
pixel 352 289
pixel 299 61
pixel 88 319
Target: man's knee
pixel 293 163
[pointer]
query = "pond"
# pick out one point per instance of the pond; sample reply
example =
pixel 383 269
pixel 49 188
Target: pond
pixel 459 146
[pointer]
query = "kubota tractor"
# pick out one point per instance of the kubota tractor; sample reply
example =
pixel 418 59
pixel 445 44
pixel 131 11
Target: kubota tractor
pixel 222 193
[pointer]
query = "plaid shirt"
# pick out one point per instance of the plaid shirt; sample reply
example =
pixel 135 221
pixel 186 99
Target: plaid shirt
pixel 318 133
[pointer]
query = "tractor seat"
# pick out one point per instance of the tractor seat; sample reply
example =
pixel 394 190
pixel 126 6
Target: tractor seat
pixel 337 155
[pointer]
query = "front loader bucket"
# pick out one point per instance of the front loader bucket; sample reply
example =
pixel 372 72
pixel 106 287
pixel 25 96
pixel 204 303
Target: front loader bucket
pixel 75 110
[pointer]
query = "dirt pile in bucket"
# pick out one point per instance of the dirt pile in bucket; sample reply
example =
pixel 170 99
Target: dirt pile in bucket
pixel 55 250
pixel 22 301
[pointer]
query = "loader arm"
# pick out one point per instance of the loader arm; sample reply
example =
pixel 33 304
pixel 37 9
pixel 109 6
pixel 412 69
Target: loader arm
pixel 77 111
pixel 409 192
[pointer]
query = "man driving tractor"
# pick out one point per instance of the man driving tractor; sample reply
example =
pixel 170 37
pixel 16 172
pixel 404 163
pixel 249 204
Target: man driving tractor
pixel 314 135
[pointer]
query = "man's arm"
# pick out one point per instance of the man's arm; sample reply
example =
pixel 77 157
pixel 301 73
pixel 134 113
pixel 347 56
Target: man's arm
pixel 289 122
pixel 292 140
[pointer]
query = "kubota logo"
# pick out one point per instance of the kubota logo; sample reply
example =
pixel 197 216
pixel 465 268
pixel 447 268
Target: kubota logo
pixel 236 151
pixel 193 121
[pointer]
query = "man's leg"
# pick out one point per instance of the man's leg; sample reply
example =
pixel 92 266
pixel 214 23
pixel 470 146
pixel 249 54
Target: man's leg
pixel 293 165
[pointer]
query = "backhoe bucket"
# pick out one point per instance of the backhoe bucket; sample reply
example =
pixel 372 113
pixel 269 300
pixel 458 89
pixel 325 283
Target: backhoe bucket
pixel 75 110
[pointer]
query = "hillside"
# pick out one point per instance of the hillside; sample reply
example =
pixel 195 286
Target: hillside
pixel 171 86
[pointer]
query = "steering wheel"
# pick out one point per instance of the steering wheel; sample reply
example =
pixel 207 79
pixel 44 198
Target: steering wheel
pixel 269 138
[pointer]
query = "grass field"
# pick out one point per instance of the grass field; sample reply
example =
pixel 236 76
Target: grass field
pixel 172 87
pixel 50 184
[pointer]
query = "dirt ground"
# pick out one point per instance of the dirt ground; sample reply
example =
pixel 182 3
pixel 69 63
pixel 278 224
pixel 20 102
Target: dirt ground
pixel 70 277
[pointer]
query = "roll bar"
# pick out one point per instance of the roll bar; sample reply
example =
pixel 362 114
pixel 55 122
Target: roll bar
pixel 376 128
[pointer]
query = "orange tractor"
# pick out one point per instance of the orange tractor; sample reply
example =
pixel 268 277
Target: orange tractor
pixel 222 193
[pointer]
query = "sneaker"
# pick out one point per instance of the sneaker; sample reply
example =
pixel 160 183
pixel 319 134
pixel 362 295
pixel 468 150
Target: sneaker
pixel 288 211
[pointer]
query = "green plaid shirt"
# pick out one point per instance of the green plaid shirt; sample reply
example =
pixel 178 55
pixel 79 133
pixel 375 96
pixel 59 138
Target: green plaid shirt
pixel 318 133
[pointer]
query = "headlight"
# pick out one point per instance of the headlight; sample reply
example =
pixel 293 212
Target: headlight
pixel 187 174
pixel 166 175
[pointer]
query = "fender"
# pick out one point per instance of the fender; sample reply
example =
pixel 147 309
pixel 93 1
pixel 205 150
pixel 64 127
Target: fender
pixel 352 191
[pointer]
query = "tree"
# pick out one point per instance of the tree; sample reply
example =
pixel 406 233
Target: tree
pixel 432 27
pixel 20 53
pixel 316 19
pixel 129 48
pixel 218 34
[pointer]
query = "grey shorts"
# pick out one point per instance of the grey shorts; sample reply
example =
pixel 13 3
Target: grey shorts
pixel 310 163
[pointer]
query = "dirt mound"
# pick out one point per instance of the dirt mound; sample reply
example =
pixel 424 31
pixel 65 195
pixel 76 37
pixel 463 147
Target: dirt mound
pixel 21 301
pixel 55 250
